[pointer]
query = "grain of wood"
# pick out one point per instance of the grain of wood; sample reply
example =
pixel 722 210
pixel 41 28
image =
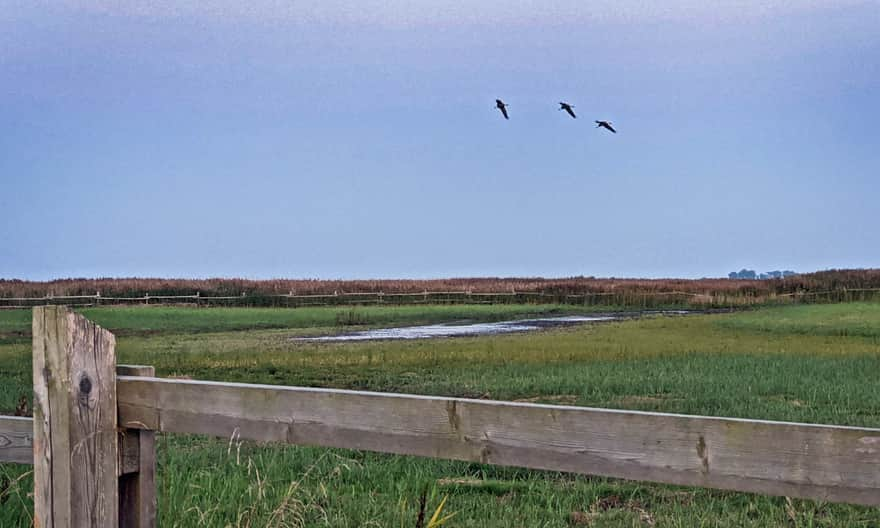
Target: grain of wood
pixel 16 439
pixel 829 463
pixel 75 437
pixel 46 343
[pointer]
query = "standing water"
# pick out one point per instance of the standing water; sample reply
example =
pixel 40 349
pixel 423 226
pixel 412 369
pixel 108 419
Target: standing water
pixel 473 329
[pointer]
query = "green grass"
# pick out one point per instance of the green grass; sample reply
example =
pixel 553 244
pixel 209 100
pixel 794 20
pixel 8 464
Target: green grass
pixel 854 319
pixel 15 325
pixel 805 363
pixel 148 320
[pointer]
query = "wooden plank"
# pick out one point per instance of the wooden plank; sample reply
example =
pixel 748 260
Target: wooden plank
pixel 129 453
pixel 17 444
pixel 75 437
pixel 776 458
pixel 129 448
pixel 16 439
pixel 137 482
pixel 45 344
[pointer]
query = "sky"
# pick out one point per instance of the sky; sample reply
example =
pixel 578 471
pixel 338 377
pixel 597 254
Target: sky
pixel 359 139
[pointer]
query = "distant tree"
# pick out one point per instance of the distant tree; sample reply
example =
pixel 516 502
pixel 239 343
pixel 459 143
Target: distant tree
pixel 751 274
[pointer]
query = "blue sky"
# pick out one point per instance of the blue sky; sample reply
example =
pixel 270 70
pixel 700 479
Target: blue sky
pixel 359 140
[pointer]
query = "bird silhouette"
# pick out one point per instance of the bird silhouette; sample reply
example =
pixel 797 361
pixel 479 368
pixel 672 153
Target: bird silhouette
pixel 605 124
pixel 568 108
pixel 501 106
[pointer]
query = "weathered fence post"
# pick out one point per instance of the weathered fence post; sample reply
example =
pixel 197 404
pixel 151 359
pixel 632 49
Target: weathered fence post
pixel 137 463
pixel 75 436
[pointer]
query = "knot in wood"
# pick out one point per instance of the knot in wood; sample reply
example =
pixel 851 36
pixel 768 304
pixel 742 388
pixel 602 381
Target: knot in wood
pixel 703 453
pixel 85 385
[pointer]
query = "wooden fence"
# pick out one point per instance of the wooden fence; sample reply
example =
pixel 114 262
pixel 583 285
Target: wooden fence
pixel 620 298
pixel 291 300
pixel 91 439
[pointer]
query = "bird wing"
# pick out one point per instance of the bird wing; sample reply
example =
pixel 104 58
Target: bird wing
pixel 611 128
pixel 504 111
pixel 570 112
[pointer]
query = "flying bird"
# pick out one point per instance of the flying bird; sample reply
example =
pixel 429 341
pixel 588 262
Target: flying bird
pixel 501 106
pixel 568 108
pixel 605 124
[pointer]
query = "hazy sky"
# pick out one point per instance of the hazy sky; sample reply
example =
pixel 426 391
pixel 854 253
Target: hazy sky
pixel 283 138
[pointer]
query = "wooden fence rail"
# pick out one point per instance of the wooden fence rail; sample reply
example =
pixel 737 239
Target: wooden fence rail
pixel 16 440
pixel 777 458
pixel 92 470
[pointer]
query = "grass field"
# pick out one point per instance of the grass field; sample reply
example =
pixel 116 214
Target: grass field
pixel 143 320
pixel 804 363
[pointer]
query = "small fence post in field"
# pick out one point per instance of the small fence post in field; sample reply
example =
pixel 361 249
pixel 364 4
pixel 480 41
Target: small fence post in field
pixel 75 436
pixel 137 467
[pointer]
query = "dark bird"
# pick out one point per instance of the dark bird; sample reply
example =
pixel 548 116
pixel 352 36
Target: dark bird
pixel 568 108
pixel 501 106
pixel 605 124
